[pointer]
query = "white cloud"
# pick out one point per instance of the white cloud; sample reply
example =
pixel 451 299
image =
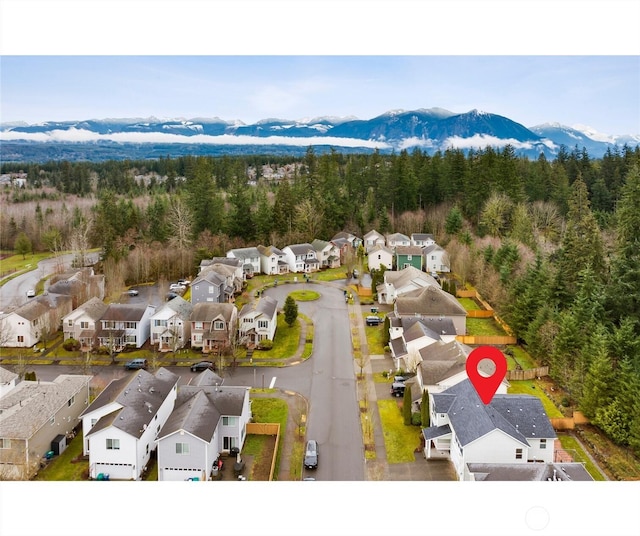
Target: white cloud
pixel 81 135
pixel 480 141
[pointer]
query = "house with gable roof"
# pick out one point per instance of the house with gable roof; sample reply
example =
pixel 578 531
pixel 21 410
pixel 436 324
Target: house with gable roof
pixel 399 282
pixel 436 259
pixel 125 324
pixel 121 425
pixel 432 302
pixel 33 415
pixel 81 285
pixel 250 258
pixel 257 321
pixel 7 381
pixel 208 419
pixel 394 240
pixel 510 429
pixel 422 239
pixel 406 256
pixel 351 239
pixel 380 256
pixel 81 324
pixel 213 326
pixel 171 325
pixel 327 253
pixel 373 238
pixel 301 258
pixel 272 261
pixel 211 287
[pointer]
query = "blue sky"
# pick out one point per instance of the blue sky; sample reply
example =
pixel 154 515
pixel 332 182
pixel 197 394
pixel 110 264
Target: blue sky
pixel 599 91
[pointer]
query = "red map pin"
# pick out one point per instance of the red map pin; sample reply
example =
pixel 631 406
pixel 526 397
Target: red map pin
pixel 486 386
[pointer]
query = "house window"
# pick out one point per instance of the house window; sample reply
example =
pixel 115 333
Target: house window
pixel 84 325
pixel 130 325
pixel 70 322
pixel 379 256
pixel 130 339
pixel 182 448
pixel 93 422
pixel 147 452
pixel 218 325
pixel 408 257
pixel 109 325
pixel 197 325
pixel 210 290
pixel 160 323
pixel 229 421
pixel 52 421
pixel 518 454
pixel 5 443
pixel 20 338
pixel 229 443
pixel 71 401
pixel 543 443
pixel 113 444
pixel 263 324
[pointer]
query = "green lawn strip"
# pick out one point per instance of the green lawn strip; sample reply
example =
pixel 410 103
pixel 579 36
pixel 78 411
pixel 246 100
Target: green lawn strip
pixel 400 441
pixel 272 410
pixel 523 357
pixel 305 295
pixel 619 461
pixel 570 444
pixel 285 342
pixel 528 387
pixel 469 304
pixel 375 336
pixel 484 327
pixel 61 467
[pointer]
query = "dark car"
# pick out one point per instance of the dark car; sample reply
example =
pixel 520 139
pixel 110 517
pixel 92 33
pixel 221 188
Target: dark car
pixel 171 296
pixel 397 389
pixel 135 364
pixel 373 320
pixel 311 454
pixel 202 365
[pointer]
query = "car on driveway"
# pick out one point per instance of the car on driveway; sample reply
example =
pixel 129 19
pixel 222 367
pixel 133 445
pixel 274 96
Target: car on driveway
pixel 311 454
pixel 31 293
pixel 397 389
pixel 184 282
pixel 177 287
pixel 136 364
pixel 373 320
pixel 202 365
pixel 132 292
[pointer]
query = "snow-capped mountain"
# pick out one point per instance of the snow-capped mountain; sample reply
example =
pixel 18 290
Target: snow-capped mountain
pixel 430 129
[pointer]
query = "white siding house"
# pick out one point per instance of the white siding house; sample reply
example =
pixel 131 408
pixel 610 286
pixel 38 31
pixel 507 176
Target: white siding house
pixel 272 261
pixel 380 256
pixel 258 320
pixel 301 258
pixel 171 325
pixel 81 323
pixel 125 324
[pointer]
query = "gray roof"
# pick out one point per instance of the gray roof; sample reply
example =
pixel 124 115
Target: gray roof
pixel 94 308
pixel 422 236
pixel 267 251
pixel 430 300
pixel 210 275
pixel 319 245
pixel 441 361
pixel 178 305
pixel 530 472
pixel 124 312
pixel 139 396
pixel 229 261
pixel 31 404
pixel 419 330
pixel 41 305
pixel 432 247
pixel 301 249
pixel 198 409
pixel 436 431
pixel 408 250
pixel 401 278
pixel 519 416
pixel 208 311
pixel 245 253
pixel 397 236
pixel 398 347
pixel 207 377
pixel 266 306
pixel 6 376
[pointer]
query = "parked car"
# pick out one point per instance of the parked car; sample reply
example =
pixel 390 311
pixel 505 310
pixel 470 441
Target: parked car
pixel 184 282
pixel 397 389
pixel 373 320
pixel 31 293
pixel 177 286
pixel 136 364
pixel 171 295
pixel 311 454
pixel 355 274
pixel 202 365
pixel 132 292
pixel 400 379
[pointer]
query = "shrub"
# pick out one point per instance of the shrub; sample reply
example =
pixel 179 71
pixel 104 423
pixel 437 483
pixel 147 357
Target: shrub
pixel 71 345
pixel 265 344
pixel 416 419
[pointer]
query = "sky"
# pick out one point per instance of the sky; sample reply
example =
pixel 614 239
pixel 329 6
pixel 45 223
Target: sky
pixel 244 61
pixel 602 92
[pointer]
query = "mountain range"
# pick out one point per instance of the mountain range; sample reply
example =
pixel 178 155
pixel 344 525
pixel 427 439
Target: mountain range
pixel 431 130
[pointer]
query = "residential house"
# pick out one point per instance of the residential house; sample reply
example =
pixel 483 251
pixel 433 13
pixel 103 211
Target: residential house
pixel 399 282
pixel 81 324
pixel 327 253
pixel 510 429
pixel 528 472
pixel 444 364
pixel 33 416
pixel 7 381
pixel 250 258
pixel 230 262
pixel 272 261
pixel 380 256
pixel 436 259
pixel 394 240
pixel 406 256
pixel 432 302
pixel 121 425
pixel 125 324
pixel 171 325
pixel 422 240
pixel 211 287
pixel 208 419
pixel 373 238
pixel 352 239
pixel 35 321
pixel 414 338
pixel 213 326
pixel 345 250
pixel 258 320
pixel 81 285
pixel 301 258
pixel 444 327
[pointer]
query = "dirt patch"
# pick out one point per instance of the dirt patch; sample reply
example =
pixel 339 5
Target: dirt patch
pixel 262 464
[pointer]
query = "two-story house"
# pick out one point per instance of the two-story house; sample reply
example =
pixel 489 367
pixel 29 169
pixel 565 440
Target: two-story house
pixel 436 259
pixel 125 324
pixel 327 253
pixel 121 425
pixel 81 323
pixel 422 240
pixel 213 326
pixel 171 325
pixel 380 256
pixel 272 261
pixel 406 256
pixel 432 302
pixel 208 419
pixel 301 258
pixel 258 320
pixel 250 258
pixel 399 282
pixel 373 238
pixel 32 416
pixel 395 240
pixel 81 285
pixel 210 287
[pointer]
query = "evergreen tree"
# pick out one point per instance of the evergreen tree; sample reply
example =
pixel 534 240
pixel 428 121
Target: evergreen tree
pixel 453 223
pixel 22 244
pixel 424 409
pixel 406 405
pixel 599 384
pixel 290 311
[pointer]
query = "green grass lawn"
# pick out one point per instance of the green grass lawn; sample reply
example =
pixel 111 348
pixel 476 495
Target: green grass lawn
pixel 271 410
pixel 304 295
pixel 61 467
pixel 285 342
pixel 484 327
pixel 375 338
pixel 400 440
pixel 570 444
pixel 523 358
pixel 529 387
pixel 469 304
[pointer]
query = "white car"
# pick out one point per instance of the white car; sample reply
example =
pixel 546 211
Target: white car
pixel 31 293
pixel 176 286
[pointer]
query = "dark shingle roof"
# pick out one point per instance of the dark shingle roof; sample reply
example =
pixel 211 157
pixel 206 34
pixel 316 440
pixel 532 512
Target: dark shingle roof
pixel 430 300
pixel 530 472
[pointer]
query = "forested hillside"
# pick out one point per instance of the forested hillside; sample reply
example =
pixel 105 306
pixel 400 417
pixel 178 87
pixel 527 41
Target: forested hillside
pixel 553 245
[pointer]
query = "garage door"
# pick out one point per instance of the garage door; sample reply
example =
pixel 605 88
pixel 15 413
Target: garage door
pixel 116 471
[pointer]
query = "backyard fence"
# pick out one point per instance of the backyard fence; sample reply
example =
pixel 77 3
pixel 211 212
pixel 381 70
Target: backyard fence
pixel 528 374
pixel 494 340
pixel 569 423
pixel 261 428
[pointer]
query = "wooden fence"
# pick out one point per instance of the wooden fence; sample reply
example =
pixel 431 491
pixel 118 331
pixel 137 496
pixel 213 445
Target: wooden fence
pixel 569 423
pixel 528 374
pixel 494 340
pixel 265 428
